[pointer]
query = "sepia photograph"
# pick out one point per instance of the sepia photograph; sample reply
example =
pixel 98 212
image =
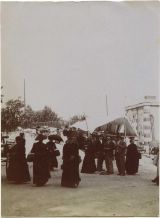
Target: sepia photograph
pixel 80 108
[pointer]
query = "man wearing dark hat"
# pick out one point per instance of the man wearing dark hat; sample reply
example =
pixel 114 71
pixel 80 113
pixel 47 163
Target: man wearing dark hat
pixel 120 152
pixel 109 146
pixel 100 154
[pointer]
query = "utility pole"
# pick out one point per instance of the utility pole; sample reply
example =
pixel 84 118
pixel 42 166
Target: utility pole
pixel 24 96
pixel 106 109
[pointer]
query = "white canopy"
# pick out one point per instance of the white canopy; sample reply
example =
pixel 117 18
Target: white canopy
pixel 89 124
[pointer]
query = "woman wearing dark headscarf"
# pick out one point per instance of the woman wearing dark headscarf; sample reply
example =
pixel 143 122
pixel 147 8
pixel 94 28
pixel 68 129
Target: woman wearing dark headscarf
pixel 17 168
pixel 41 172
pixel 51 147
pixel 132 158
pixel 89 164
pixel 70 166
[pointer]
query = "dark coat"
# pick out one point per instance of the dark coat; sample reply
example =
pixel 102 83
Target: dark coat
pixel 16 167
pixel 89 165
pixel 98 146
pixel 51 147
pixel 132 159
pixel 120 148
pixel 108 147
pixel 41 172
pixel 70 166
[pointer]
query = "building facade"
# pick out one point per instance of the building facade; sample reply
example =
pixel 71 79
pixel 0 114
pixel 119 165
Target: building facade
pixel 145 119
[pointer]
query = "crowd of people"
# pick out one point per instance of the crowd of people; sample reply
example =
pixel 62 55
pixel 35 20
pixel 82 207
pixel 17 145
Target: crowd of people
pixel 104 148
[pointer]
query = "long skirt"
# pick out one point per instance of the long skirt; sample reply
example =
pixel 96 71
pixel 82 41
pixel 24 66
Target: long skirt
pixel 70 175
pixel 41 172
pixel 132 165
pixel 89 164
pixel 53 162
pixel 17 170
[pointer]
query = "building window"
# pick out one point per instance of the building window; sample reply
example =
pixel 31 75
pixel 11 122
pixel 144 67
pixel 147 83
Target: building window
pixel 147 135
pixel 146 119
pixel 147 127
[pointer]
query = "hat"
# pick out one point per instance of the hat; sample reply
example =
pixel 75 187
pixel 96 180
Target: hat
pixel 51 137
pixel 108 136
pixel 94 134
pixel 40 137
pixel 21 134
pixel 18 139
pixel 72 133
pixel 132 138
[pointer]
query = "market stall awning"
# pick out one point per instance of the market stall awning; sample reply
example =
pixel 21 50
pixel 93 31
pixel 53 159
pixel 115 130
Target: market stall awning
pixel 118 126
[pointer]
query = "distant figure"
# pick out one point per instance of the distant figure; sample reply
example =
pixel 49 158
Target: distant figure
pixel 41 172
pixel 17 168
pixel 89 164
pixel 51 147
pixel 156 179
pixel 70 166
pixel 22 137
pixel 58 132
pixel 132 158
pixel 120 151
pixel 65 131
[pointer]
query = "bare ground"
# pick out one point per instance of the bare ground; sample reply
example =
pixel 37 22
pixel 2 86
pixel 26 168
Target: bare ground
pixel 97 195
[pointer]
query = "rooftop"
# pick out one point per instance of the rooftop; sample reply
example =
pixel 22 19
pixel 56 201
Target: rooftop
pixel 149 101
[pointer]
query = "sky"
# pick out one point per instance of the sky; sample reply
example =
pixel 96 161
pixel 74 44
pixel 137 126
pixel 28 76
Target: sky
pixel 72 55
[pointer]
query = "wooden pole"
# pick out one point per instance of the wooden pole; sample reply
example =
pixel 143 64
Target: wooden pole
pixel 24 95
pixel 124 121
pixel 106 106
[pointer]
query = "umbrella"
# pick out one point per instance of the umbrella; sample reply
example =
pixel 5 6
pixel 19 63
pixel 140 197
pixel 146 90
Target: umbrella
pixel 57 138
pixel 118 126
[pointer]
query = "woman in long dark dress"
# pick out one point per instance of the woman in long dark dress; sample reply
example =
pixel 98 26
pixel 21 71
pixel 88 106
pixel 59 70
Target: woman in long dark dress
pixel 89 164
pixel 132 158
pixel 17 167
pixel 41 172
pixel 51 147
pixel 70 166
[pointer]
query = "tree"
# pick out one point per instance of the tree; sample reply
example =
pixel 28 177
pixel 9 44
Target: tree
pixel 2 95
pixel 11 115
pixel 48 115
pixel 14 114
pixel 76 118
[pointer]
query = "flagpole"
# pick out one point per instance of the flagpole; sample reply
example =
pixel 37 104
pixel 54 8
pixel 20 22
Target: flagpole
pixel 106 106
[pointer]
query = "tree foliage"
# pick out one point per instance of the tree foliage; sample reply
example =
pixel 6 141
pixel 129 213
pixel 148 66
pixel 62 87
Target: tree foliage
pixel 14 114
pixel 76 118
pixel 11 115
